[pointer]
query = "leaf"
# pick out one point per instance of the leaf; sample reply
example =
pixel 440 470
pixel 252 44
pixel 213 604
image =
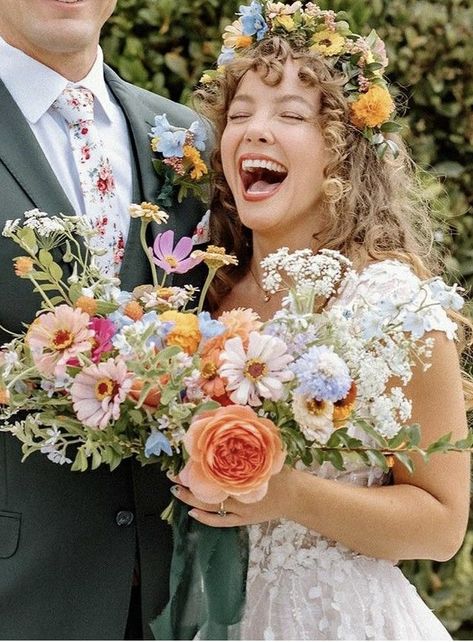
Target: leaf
pixel 376 458
pixel 55 271
pixel 336 459
pixel 45 258
pixel 96 459
pixel 406 460
pixel 80 461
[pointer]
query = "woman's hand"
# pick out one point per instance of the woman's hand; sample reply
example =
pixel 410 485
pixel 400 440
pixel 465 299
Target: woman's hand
pixel 231 512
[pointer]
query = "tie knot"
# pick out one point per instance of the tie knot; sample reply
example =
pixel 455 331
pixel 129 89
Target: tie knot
pixel 75 104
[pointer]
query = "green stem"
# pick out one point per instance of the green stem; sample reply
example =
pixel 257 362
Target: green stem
pixel 22 375
pixel 144 245
pixel 44 296
pixel 203 294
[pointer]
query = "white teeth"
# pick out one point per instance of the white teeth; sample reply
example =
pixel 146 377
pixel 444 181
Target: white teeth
pixel 249 165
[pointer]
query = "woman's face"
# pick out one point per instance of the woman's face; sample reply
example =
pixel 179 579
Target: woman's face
pixel 274 156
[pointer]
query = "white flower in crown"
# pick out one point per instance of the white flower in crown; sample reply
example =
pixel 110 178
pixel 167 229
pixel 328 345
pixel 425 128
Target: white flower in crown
pixel 274 9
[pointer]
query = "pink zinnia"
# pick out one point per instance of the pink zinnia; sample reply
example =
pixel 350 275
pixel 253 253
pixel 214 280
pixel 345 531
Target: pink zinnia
pixel 173 259
pixel 104 330
pixel 99 390
pixel 57 337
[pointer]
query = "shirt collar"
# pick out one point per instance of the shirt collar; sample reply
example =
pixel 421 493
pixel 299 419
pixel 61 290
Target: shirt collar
pixel 25 77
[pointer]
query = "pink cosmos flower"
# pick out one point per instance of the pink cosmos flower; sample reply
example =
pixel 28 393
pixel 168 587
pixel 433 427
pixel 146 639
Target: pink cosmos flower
pixel 57 337
pixel 173 259
pixel 98 391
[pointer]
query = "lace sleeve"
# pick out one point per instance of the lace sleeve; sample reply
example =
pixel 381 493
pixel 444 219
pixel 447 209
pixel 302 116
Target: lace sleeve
pixel 391 287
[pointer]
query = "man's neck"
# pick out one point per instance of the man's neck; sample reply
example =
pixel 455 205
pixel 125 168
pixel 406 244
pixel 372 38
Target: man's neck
pixel 73 66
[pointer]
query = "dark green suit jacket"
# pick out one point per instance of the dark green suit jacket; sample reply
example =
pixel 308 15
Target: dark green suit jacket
pixel 67 547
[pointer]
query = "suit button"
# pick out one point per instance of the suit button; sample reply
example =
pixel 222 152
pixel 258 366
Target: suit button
pixel 124 517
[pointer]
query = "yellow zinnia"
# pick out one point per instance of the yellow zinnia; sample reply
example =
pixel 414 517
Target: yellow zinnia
pixel 327 42
pixel 192 155
pixel 373 108
pixel 185 333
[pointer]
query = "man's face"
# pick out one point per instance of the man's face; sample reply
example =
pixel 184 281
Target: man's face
pixel 51 29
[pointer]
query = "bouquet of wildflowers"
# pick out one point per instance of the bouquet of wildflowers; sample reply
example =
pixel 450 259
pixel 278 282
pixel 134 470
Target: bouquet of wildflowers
pixel 103 374
pixel 315 383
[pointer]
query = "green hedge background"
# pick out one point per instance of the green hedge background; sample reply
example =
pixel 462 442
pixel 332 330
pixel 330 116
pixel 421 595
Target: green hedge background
pixel 163 45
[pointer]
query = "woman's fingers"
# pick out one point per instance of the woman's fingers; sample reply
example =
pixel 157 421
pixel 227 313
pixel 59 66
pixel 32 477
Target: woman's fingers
pixel 186 496
pixel 216 520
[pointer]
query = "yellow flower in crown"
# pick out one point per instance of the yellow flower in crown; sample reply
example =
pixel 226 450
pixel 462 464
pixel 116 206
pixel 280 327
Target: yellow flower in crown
pixel 327 42
pixel 372 108
pixel 285 21
pixel 185 333
pixel 233 36
pixel 199 168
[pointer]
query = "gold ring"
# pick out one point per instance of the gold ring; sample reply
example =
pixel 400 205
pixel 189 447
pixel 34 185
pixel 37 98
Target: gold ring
pixel 221 511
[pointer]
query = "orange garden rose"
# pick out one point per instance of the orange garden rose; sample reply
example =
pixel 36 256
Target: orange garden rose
pixel 232 452
pixel 373 108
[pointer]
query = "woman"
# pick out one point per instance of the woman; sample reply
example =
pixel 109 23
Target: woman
pixel 298 167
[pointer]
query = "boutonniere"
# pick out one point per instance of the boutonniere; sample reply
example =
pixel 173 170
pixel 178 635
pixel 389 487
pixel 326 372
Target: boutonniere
pixel 178 160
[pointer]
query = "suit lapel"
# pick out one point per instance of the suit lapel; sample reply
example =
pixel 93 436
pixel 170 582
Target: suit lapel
pixel 146 183
pixel 21 153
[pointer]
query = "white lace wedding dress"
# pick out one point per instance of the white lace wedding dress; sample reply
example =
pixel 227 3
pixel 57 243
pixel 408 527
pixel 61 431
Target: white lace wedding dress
pixel 300 585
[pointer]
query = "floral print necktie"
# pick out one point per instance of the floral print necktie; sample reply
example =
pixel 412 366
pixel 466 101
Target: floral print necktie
pixel 76 106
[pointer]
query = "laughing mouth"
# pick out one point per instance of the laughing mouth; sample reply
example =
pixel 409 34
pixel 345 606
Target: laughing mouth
pixel 261 177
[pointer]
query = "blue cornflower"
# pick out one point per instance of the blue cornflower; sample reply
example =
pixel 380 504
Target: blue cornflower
pixel 209 327
pixel 322 374
pixel 252 20
pixel 200 135
pixel 227 54
pixel 161 125
pixel 157 443
pixel 171 143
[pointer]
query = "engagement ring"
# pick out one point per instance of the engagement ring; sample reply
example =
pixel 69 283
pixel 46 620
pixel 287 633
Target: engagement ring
pixel 221 511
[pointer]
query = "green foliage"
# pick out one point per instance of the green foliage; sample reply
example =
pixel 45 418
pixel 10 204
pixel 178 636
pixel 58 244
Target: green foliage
pixel 164 45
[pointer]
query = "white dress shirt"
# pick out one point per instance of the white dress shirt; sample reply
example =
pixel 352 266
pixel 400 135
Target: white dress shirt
pixel 34 88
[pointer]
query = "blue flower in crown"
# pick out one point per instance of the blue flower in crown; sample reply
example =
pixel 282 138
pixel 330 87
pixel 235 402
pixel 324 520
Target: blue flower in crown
pixel 227 54
pixel 252 20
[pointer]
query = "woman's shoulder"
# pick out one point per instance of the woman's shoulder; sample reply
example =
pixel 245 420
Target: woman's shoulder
pixel 392 285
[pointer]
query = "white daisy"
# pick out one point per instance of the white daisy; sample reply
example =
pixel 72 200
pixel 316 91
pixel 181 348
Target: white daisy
pixel 258 372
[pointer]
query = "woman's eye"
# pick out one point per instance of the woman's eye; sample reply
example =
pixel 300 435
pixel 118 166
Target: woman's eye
pixel 238 115
pixel 292 116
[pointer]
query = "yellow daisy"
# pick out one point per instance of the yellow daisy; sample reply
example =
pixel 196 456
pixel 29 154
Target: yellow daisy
pixel 327 42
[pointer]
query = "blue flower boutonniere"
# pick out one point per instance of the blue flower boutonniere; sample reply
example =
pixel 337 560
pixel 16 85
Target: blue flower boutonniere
pixel 178 159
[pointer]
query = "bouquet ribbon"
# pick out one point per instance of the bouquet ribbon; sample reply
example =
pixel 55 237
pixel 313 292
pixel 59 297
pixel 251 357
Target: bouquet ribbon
pixel 207 581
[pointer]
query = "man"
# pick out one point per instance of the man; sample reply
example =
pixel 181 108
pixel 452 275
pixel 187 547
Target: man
pixel 82 555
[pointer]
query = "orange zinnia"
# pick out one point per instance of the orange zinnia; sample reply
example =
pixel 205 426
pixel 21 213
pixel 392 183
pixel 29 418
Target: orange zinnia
pixel 373 108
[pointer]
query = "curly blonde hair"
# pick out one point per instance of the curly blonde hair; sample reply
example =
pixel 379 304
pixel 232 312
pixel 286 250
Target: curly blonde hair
pixel 375 208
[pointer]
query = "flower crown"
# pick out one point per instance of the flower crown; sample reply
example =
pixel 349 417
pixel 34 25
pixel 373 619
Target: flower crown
pixel 362 60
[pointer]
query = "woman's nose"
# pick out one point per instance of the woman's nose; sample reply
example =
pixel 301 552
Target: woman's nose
pixel 259 133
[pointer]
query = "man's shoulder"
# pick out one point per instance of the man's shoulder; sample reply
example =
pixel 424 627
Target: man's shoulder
pixel 178 115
